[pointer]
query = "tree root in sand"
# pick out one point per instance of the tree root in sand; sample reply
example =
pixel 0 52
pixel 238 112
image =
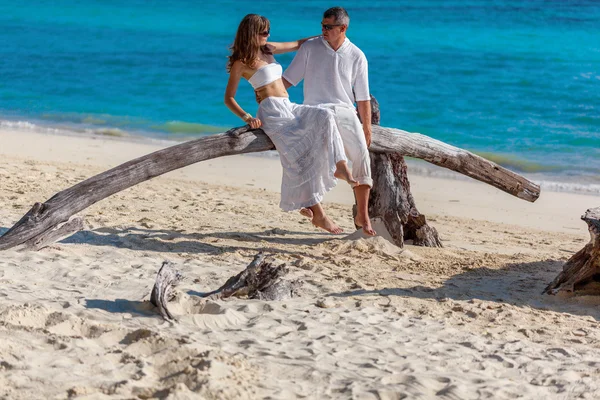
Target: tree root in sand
pixel 259 280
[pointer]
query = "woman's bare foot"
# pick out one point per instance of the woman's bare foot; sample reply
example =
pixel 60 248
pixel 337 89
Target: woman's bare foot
pixel 343 172
pixel 326 223
pixel 365 224
pixel 307 212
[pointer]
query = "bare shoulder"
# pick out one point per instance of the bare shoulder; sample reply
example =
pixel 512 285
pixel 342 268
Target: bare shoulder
pixel 238 66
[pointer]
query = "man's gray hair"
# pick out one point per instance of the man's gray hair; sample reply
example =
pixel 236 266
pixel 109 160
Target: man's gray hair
pixel 340 14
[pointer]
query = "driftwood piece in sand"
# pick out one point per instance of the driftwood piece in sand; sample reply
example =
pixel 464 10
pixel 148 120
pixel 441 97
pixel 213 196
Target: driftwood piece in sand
pixel 162 292
pixel 60 207
pixel 582 271
pixel 260 280
pixel 391 198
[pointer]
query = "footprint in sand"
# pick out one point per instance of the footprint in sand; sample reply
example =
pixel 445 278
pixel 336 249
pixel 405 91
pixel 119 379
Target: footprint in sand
pixel 54 322
pixel 366 247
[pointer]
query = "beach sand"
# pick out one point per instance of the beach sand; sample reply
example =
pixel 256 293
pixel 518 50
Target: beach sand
pixel 373 321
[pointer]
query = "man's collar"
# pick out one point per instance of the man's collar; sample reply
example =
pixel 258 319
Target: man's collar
pixel 342 48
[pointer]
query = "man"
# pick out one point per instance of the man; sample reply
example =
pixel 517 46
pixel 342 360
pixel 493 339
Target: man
pixel 335 74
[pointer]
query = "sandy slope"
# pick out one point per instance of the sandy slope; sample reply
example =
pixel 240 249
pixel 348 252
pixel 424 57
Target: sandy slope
pixel 373 321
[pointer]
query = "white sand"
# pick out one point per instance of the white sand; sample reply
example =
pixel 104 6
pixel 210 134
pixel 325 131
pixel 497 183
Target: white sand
pixel 374 321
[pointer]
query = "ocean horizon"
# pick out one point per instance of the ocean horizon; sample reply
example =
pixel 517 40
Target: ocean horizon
pixel 515 82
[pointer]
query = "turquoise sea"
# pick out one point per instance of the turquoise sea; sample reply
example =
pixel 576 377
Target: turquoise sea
pixel 517 81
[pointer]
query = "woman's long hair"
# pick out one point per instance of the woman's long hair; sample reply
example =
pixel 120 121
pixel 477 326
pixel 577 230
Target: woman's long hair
pixel 246 46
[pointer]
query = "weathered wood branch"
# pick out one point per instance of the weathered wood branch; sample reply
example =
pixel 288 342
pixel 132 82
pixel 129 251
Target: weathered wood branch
pixel 60 207
pixel 260 280
pixel 582 271
pixel 389 140
pixel 162 292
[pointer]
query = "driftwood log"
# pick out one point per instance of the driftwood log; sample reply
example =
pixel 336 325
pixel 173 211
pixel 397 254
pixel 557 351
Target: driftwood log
pixel 260 280
pixel 162 292
pixel 48 216
pixel 582 271
pixel 391 198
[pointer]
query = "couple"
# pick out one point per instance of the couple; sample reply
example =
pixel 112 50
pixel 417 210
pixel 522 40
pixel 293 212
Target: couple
pixel 314 139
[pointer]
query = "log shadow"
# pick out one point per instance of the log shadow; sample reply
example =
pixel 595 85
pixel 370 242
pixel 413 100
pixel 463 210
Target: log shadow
pixel 274 235
pixel 3 230
pixel 171 241
pixel 122 306
pixel 138 241
pixel 518 284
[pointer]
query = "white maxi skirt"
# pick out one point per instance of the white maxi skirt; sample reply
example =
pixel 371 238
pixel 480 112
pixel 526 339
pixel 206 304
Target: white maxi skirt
pixel 309 145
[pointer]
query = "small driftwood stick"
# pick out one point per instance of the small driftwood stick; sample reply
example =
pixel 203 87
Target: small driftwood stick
pixel 53 235
pixel 582 271
pixel 162 292
pixel 260 280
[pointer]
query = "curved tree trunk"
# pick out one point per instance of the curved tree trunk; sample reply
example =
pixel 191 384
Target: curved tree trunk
pixel 59 208
pixel 47 216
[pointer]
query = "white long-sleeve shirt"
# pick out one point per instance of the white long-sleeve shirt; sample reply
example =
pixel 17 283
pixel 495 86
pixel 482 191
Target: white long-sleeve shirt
pixel 330 76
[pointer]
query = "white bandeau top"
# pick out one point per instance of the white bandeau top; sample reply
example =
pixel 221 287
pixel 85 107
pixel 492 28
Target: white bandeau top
pixel 265 75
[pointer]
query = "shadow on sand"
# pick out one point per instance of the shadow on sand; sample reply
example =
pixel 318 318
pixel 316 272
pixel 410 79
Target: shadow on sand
pixel 171 241
pixel 122 306
pixel 518 284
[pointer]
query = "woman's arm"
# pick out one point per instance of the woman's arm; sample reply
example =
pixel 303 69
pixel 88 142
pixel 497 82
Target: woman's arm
pixel 232 84
pixel 286 47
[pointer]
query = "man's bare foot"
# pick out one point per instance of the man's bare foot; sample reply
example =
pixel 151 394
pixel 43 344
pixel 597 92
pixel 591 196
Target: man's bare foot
pixel 327 224
pixel 365 224
pixel 307 212
pixel 343 172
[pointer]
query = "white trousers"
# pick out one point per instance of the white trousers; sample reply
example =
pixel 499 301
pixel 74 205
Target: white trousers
pixel 355 144
pixel 309 145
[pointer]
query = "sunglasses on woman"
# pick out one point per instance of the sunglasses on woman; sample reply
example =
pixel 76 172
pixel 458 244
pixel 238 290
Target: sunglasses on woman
pixel 265 33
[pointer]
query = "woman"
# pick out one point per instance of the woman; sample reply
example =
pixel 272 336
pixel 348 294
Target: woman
pixel 307 137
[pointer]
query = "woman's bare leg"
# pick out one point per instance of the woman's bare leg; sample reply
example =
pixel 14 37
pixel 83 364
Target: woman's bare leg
pixel 322 221
pixel 343 172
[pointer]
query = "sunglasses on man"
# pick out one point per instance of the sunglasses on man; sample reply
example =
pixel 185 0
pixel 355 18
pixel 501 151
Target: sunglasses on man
pixel 329 27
